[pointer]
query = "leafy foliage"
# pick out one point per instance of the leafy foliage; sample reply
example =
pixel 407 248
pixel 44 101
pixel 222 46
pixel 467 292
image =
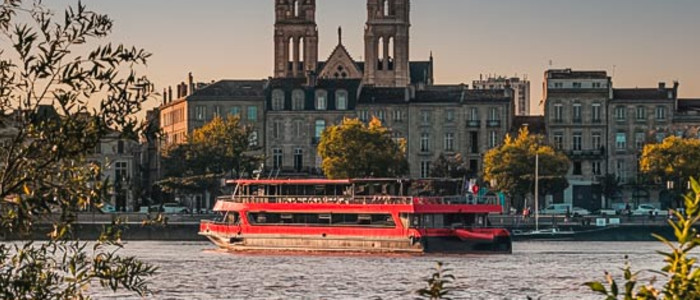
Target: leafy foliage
pixel 55 106
pixel 682 277
pixel 219 148
pixel 448 166
pixel 610 187
pixel 355 150
pixel 511 166
pixel 438 284
pixel 674 159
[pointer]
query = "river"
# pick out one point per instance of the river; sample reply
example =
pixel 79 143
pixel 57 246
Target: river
pixel 545 270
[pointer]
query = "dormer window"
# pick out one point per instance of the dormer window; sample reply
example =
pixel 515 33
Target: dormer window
pixel 278 99
pixel 321 100
pixel 341 100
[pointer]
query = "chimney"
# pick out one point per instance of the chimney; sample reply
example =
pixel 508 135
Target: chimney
pixel 170 94
pixel 165 96
pixel 190 79
pixel 662 86
pixel 183 90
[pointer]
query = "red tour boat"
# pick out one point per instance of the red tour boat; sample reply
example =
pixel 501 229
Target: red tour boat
pixel 355 215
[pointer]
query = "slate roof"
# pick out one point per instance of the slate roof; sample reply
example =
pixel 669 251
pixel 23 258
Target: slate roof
pixel 641 94
pixel 569 74
pixel 686 105
pixel 431 94
pixel 232 88
pixel 382 95
pixel 420 70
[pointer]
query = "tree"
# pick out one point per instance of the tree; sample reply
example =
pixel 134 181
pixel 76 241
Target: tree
pixel 56 105
pixel 451 166
pixel 219 148
pixel 675 159
pixel 610 187
pixel 355 150
pixel 680 273
pixel 511 166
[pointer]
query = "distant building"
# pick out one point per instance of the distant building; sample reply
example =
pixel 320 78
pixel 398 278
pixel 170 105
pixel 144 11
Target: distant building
pixel 521 90
pixel 120 159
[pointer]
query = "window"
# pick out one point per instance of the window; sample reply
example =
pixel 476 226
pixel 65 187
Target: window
pixel 276 158
pixel 621 141
pixel 474 142
pixel 596 113
pixel 341 100
pixel 277 129
pixel 639 139
pixel 493 140
pixel 217 111
pixel 319 128
pixel 559 140
pixel 425 116
pixel 577 141
pixel 596 140
pixel 235 111
pixel 252 113
pixel 596 85
pixel 577 168
pixel 277 99
pixel 380 115
pixel 661 113
pixel 558 85
pixel 577 85
pixel 595 168
pixel 450 115
pixel 558 112
pixel 620 113
pixel 398 115
pixel 474 114
pixel 577 113
pixel 253 139
pixel 363 115
pixel 425 142
pixel 321 100
pixel 121 171
pixel 622 170
pixel 298 159
pixel 200 112
pixel 449 141
pixel 120 147
pixel 494 114
pixel 298 127
pixel 298 100
pixel 424 169
pixel 641 113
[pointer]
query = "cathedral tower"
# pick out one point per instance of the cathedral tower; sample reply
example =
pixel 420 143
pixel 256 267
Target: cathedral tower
pixel 296 38
pixel 386 43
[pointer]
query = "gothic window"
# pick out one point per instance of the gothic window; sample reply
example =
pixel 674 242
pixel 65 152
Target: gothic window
pixel 321 97
pixel 341 100
pixel 340 72
pixel 390 56
pixel 380 53
pixel 290 59
pixel 296 8
pixel 298 100
pixel 277 100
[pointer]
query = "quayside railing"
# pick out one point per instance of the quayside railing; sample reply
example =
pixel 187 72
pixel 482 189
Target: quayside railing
pixel 357 200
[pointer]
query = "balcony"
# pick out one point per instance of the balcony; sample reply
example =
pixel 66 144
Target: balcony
pixel 493 123
pixel 474 123
pixel 586 154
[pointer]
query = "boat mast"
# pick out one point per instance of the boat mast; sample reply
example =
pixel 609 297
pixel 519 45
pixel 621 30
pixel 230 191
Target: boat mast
pixel 537 174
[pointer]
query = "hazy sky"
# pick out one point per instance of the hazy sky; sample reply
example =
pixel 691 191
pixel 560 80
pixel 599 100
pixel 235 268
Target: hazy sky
pixel 646 40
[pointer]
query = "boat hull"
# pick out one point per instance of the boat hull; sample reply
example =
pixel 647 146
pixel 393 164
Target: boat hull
pixel 301 243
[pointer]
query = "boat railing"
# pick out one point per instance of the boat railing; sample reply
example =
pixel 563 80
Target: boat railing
pixel 364 200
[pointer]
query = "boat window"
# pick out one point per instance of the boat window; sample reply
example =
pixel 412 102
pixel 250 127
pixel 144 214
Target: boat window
pixel 326 219
pixel 445 220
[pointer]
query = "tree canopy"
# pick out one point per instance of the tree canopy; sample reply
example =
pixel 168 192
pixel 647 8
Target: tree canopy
pixel 448 166
pixel 675 159
pixel 218 149
pixel 59 96
pixel 353 149
pixel 511 166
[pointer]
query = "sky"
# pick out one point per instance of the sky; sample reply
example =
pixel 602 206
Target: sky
pixel 639 42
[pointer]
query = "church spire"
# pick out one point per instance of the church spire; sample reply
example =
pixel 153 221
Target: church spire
pixel 340 35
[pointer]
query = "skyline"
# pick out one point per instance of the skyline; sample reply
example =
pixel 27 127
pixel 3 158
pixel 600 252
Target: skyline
pixel 638 42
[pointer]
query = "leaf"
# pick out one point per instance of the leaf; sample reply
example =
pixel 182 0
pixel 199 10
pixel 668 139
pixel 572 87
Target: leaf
pixel 596 286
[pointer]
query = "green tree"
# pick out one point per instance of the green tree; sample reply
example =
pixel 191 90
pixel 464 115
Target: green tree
pixel 681 276
pixel 448 166
pixel 57 102
pixel 352 149
pixel 610 187
pixel 511 166
pixel 675 159
pixel 220 148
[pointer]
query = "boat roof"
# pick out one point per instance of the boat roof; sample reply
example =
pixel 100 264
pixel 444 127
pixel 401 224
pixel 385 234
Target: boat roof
pixel 313 181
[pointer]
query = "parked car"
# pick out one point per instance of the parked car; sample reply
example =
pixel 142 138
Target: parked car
pixel 619 207
pixel 648 209
pixel 175 208
pixel 108 208
pixel 577 212
pixel 606 212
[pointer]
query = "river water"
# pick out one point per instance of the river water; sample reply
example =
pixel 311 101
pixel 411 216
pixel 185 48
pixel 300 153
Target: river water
pixel 545 270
